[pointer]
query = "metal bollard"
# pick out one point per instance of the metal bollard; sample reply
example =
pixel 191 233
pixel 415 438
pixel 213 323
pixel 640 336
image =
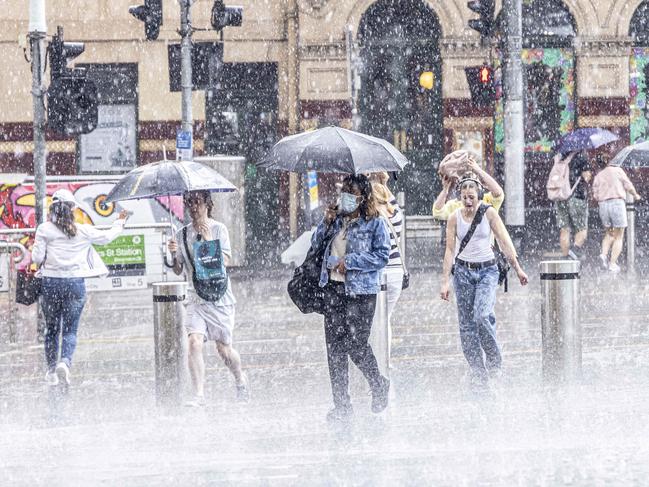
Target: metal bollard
pixel 170 342
pixel 561 327
pixel 630 234
pixel 380 335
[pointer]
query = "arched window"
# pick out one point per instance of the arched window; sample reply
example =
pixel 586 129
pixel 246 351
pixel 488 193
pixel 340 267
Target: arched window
pixel 639 74
pixel 399 41
pixel 639 28
pixel 549 30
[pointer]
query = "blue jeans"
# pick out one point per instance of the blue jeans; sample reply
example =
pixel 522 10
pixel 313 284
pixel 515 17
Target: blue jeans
pixel 62 300
pixel 476 297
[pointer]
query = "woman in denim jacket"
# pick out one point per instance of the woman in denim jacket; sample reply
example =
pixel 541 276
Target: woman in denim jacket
pixel 357 249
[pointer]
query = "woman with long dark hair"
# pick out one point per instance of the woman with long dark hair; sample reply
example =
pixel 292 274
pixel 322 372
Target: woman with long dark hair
pixel 357 249
pixel 63 250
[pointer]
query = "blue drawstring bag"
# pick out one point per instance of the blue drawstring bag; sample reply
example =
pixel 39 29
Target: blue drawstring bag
pixel 208 269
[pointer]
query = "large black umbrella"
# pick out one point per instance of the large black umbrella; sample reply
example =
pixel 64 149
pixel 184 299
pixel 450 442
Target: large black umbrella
pixel 334 149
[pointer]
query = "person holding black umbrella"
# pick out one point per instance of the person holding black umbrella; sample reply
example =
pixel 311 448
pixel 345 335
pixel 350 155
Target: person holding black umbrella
pixel 357 249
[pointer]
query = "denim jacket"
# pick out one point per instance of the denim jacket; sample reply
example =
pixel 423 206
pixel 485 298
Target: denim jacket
pixel 368 249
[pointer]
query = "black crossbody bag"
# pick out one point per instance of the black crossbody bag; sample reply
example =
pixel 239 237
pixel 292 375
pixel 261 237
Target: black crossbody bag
pixel 501 260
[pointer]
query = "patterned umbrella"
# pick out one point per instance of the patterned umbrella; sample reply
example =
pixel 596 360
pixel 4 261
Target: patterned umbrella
pixel 584 139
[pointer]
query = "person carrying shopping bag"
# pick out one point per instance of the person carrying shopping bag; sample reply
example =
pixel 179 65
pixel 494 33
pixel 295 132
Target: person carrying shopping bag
pixel 357 247
pixel 64 251
pixel 470 257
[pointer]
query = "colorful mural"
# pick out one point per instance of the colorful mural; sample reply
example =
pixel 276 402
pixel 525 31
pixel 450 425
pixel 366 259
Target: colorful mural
pixel 17 206
pixel 638 114
pixel 562 60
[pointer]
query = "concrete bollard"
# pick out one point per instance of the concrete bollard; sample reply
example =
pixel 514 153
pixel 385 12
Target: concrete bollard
pixel 561 327
pixel 380 335
pixel 170 342
pixel 630 234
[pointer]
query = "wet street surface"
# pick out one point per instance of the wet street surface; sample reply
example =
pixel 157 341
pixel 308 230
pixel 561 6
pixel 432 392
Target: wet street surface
pixel 108 431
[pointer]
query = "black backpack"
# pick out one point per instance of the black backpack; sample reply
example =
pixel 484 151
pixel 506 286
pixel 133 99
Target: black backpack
pixel 303 288
pixel 211 279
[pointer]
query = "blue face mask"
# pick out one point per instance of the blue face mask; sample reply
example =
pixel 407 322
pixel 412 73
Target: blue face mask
pixel 348 203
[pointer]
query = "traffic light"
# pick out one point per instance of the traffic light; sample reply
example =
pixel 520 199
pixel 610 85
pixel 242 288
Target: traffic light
pixel 481 84
pixel 151 14
pixel 72 102
pixel 484 24
pixel 223 16
pixel 427 80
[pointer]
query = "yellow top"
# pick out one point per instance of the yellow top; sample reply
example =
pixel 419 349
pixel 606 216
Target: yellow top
pixel 451 205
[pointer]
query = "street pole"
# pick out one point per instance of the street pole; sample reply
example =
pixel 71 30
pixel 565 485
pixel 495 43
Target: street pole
pixel 514 134
pixel 187 124
pixel 292 31
pixel 353 78
pixel 37 35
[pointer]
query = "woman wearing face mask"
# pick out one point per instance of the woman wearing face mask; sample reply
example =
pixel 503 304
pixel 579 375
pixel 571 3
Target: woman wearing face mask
pixel 64 251
pixel 475 279
pixel 357 248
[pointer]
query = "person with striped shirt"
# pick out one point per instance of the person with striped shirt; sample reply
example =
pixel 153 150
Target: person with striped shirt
pixel 390 210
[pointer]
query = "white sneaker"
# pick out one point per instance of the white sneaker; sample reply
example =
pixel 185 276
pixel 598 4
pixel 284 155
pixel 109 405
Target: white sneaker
pixel 614 268
pixel 63 372
pixel 603 262
pixel 243 389
pixel 51 378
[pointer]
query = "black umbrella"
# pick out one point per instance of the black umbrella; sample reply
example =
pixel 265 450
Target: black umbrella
pixel 334 149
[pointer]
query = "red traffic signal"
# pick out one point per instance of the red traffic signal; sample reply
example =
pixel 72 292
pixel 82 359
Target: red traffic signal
pixel 481 84
pixel 485 75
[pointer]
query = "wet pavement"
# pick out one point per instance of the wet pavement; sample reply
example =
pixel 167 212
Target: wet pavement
pixel 107 430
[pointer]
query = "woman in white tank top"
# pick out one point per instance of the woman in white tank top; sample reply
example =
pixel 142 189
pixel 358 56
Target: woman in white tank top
pixel 475 279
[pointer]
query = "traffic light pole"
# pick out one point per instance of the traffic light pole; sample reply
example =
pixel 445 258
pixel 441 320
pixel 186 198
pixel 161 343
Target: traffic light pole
pixel 187 124
pixel 514 133
pixel 37 35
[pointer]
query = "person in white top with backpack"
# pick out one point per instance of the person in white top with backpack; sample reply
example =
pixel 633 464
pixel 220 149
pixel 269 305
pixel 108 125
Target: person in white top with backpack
pixel 470 257
pixel 202 251
pixel 567 186
pixel 63 250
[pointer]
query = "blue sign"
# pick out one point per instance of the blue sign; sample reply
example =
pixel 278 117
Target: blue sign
pixel 183 139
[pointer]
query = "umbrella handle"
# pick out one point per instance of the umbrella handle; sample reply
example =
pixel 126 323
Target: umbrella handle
pixel 173 260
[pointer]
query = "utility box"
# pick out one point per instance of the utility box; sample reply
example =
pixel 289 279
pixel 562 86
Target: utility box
pixel 230 208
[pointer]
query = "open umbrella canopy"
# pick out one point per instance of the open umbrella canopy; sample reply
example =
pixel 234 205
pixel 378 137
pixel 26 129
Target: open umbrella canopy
pixel 585 138
pixel 334 149
pixel 164 178
pixel 636 155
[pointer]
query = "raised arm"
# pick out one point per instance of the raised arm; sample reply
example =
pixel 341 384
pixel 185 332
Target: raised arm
pixel 488 182
pixel 506 244
pixel 449 255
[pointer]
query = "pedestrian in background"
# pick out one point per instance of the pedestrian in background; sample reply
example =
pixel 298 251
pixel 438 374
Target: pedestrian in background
pixel 610 187
pixel 206 320
pixel 470 256
pixel 443 207
pixel 572 214
pixel 63 250
pixel 357 249
pixel 395 270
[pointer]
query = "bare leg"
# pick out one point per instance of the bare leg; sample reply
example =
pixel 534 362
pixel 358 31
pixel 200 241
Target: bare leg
pixel 564 240
pixel 196 363
pixel 580 237
pixel 618 240
pixel 231 359
pixel 607 241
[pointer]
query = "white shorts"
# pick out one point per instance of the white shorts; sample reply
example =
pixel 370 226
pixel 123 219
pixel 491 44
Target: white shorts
pixel 213 322
pixel 613 213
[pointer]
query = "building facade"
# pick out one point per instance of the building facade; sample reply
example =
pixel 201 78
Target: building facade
pixel 299 64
